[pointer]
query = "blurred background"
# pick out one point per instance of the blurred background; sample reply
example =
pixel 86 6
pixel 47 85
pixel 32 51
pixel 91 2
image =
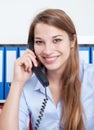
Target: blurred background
pixel 16 16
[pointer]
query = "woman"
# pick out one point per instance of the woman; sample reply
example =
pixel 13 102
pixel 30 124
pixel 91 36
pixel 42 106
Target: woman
pixel 70 93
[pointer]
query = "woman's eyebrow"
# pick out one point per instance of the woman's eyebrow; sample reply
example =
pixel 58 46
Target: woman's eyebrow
pixel 57 36
pixel 37 38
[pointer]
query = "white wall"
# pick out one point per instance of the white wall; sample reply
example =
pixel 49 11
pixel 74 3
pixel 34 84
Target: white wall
pixel 16 16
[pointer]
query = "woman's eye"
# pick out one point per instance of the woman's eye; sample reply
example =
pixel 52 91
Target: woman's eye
pixel 38 42
pixel 57 40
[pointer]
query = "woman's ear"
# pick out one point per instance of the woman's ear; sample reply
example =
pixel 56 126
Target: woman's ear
pixel 73 41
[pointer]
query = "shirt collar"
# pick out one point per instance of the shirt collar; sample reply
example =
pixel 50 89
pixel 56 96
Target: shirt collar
pixel 39 87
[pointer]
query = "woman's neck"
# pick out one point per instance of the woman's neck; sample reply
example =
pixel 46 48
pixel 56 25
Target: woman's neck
pixel 54 76
pixel 55 85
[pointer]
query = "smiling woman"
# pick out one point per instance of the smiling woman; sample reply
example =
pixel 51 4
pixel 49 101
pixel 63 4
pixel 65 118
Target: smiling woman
pixel 54 53
pixel 52 47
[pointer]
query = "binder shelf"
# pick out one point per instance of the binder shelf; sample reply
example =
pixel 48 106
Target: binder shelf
pixel 9 53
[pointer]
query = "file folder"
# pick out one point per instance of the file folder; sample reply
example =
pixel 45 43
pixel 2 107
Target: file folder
pixel 11 55
pixel 2 73
pixel 92 55
pixel 84 54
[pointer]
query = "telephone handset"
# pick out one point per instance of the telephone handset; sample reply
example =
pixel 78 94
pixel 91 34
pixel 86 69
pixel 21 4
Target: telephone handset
pixel 40 75
pixel 44 81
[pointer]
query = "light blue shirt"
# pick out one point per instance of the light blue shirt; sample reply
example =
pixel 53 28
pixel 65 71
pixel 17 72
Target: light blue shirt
pixel 34 93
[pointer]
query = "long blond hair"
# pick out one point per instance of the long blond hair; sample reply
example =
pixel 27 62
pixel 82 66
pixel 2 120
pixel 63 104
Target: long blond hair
pixel 71 90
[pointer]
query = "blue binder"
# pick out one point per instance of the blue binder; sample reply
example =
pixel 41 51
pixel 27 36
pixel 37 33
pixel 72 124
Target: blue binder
pixel 2 73
pixel 21 50
pixel 84 54
pixel 92 55
pixel 11 55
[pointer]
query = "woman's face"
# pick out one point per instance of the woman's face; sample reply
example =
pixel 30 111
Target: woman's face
pixel 52 46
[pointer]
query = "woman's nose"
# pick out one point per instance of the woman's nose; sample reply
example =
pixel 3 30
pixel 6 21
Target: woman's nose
pixel 48 48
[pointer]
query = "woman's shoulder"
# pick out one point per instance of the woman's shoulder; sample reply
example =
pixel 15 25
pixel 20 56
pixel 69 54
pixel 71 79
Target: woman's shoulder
pixel 86 70
pixel 87 79
pixel 87 93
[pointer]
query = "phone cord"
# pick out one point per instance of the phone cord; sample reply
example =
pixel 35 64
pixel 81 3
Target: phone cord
pixel 41 111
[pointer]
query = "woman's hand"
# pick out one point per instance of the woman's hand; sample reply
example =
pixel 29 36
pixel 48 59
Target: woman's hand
pixel 23 67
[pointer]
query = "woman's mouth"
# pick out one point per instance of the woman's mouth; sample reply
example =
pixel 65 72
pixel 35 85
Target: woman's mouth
pixel 50 60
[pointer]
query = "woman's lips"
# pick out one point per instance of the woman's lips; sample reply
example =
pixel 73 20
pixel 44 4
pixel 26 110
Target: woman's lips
pixel 50 60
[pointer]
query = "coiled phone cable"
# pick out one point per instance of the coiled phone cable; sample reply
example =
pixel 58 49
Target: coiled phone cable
pixel 41 112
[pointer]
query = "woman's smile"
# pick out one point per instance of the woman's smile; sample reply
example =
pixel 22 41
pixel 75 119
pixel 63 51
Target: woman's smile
pixel 50 59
